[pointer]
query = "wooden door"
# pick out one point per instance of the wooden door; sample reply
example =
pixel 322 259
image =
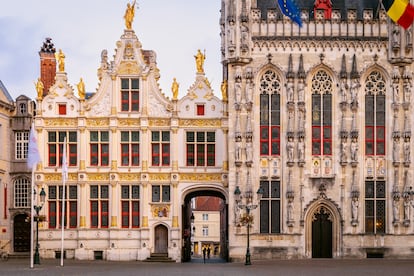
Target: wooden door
pixel 21 233
pixel 161 239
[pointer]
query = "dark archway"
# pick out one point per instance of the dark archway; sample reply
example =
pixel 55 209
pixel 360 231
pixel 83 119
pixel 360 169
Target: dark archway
pixel 187 213
pixel 21 233
pixel 322 234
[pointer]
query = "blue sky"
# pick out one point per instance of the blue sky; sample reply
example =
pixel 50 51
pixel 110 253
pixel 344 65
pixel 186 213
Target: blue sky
pixel 174 29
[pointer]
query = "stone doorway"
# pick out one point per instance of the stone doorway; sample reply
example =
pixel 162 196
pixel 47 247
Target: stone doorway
pixel 161 239
pixel 322 234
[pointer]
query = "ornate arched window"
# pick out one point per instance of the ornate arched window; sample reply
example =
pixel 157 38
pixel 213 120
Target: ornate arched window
pixel 270 114
pixel 322 86
pixel 375 189
pixel 375 114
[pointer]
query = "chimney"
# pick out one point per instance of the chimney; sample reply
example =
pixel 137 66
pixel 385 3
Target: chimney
pixel 47 65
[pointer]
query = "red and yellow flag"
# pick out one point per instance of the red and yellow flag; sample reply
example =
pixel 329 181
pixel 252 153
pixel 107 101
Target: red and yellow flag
pixel 400 11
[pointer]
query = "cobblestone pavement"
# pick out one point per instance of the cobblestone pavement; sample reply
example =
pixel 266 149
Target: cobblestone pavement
pixel 318 267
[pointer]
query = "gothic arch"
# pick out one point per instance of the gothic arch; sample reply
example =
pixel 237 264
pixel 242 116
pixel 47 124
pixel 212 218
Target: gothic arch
pixel 330 207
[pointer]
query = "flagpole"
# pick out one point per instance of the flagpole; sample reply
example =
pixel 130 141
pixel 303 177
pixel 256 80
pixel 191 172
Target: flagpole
pixel 64 173
pixel 32 219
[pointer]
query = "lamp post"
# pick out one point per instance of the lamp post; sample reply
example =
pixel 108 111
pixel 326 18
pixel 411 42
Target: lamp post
pixel 37 208
pixel 246 218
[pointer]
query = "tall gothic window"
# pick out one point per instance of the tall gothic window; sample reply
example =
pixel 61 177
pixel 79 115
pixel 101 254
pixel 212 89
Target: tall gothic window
pixel 270 114
pixel 375 114
pixel 322 113
pixel 270 207
pixel 375 207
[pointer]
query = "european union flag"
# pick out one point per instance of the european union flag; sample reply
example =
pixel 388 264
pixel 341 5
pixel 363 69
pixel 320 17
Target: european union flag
pixel 290 9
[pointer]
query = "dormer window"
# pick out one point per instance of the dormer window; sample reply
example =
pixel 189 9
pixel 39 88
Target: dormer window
pixel 324 5
pixel 62 109
pixel 200 110
pixel 22 108
pixel 129 94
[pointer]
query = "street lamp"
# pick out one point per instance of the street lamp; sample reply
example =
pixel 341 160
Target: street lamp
pixel 37 208
pixel 246 218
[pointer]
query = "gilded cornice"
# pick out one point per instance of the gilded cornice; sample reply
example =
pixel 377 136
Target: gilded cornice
pixel 97 122
pixel 98 176
pixel 201 177
pixel 159 177
pixel 129 122
pixel 159 122
pixel 129 176
pixel 200 123
pixel 53 177
pixel 66 122
pixel 128 68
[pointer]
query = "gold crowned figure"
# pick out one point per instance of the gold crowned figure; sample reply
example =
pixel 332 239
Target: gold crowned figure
pixel 129 15
pixel 200 57
pixel 81 89
pixel 224 90
pixel 174 88
pixel 39 88
pixel 61 60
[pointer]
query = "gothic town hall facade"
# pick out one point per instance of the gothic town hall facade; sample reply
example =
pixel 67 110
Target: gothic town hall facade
pixel 318 117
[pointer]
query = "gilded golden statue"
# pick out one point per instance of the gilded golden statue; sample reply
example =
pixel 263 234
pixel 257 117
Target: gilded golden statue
pixel 81 89
pixel 129 15
pixel 224 90
pixel 200 57
pixel 39 88
pixel 174 88
pixel 61 60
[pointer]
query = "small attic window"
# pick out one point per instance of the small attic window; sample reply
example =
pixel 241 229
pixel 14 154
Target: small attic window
pixel 22 108
pixel 62 109
pixel 200 109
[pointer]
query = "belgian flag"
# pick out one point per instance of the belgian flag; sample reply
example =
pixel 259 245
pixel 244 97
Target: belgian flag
pixel 400 11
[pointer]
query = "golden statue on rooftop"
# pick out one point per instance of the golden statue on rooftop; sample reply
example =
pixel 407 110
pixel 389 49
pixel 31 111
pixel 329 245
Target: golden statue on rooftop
pixel 129 15
pixel 60 56
pixel 174 88
pixel 39 88
pixel 81 89
pixel 200 57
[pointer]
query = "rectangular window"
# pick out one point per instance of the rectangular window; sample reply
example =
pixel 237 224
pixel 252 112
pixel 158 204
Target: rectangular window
pixel 200 148
pixel 322 124
pixel 269 124
pixel 205 231
pixel 375 125
pixel 129 148
pixel 21 144
pixel 130 206
pixel 62 109
pixel 55 147
pixel 22 195
pixel 375 207
pixel 129 94
pixel 270 207
pixel 99 148
pixel 160 193
pixel 160 148
pixel 99 205
pixel 200 109
pixel 205 217
pixel 55 196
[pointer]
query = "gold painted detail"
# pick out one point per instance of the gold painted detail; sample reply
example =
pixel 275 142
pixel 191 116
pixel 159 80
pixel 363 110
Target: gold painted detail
pixel 113 221
pixel 129 68
pixel 98 176
pixel 159 177
pixel 58 177
pixel 129 176
pixel 82 221
pixel 159 122
pixel 145 221
pixel 97 122
pixel 159 211
pixel 200 123
pixel 175 222
pixel 129 122
pixel 82 164
pixel 200 177
pixel 61 122
pixel 114 164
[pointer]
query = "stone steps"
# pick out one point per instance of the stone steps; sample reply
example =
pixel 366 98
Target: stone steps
pixel 159 257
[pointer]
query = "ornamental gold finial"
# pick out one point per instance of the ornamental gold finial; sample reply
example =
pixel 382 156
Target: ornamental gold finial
pixel 200 57
pixel 174 88
pixel 60 56
pixel 129 15
pixel 81 89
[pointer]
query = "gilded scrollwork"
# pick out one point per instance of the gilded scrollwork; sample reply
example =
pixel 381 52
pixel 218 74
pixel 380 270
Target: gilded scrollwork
pixel 61 122
pixel 97 122
pixel 200 122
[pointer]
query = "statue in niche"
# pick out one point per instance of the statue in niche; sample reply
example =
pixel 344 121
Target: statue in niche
pixel 290 120
pixel 238 91
pixel 290 211
pixel 289 91
pixel 238 149
pixel 409 37
pixel 249 92
pixel 301 149
pixel 289 149
pixel 301 91
pixel 396 150
pixel 200 58
pixel 224 90
pixel 407 210
pixel 354 150
pixel 301 119
pixel 407 150
pixel 396 36
pixel 249 151
pixel 395 210
pixel 344 146
pixel 354 90
pixel 244 34
pixel 343 88
pixel 396 91
pixel 231 33
pixel 355 206
pixel 407 91
pixel 129 15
